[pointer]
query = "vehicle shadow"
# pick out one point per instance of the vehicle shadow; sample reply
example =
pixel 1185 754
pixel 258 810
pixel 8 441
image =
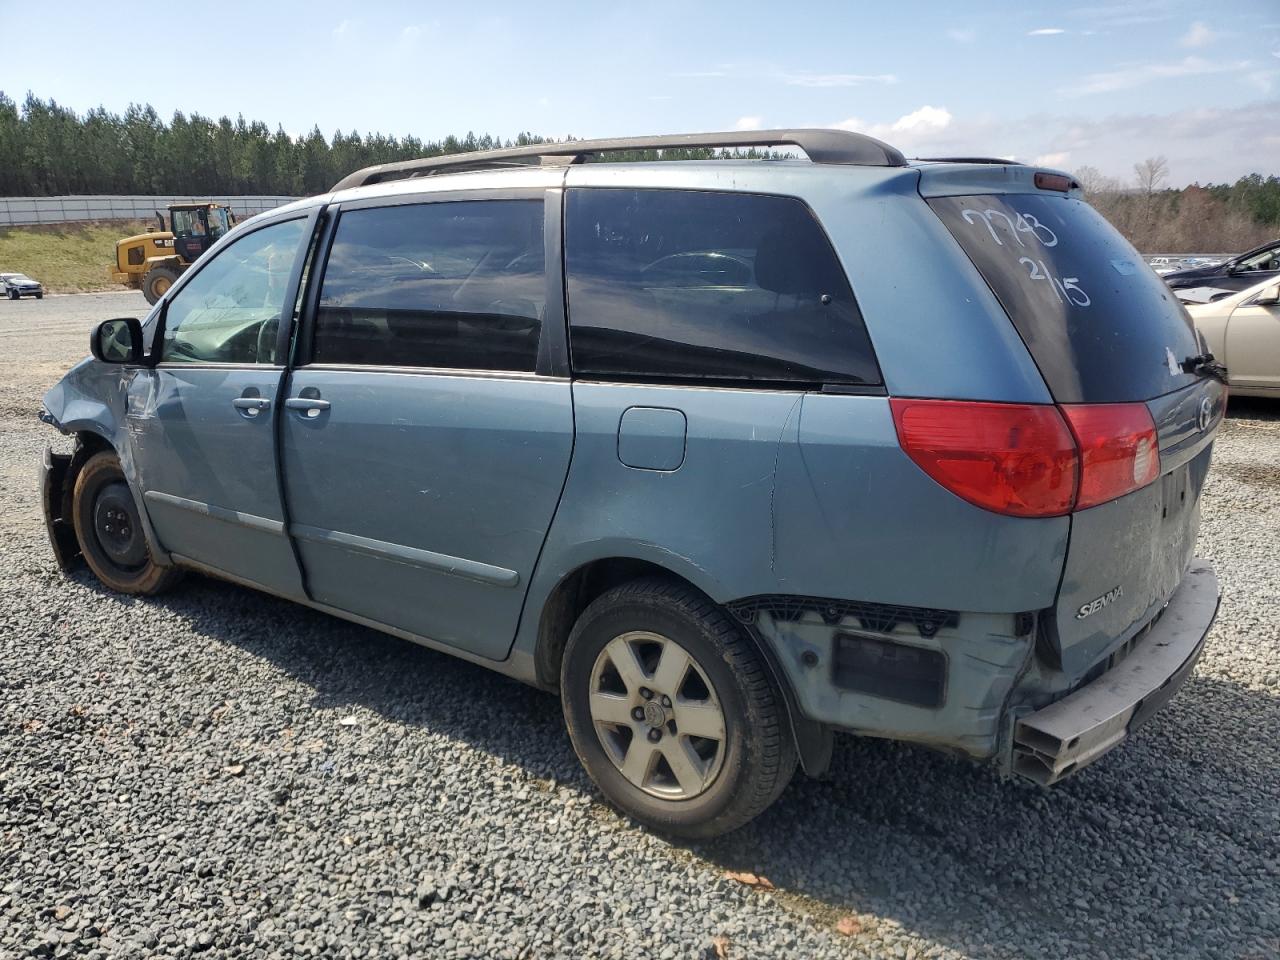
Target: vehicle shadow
pixel 1169 847
pixel 1253 408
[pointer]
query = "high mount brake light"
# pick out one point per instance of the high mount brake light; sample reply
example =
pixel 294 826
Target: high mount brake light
pixel 1054 181
pixel 1030 460
pixel 1012 458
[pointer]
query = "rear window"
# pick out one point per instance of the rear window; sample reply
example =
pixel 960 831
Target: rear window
pixel 1101 326
pixel 688 286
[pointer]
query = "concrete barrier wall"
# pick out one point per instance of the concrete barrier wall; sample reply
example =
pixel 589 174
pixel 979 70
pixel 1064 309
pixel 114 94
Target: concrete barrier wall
pixel 20 211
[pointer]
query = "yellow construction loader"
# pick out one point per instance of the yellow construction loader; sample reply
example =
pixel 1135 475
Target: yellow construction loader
pixel 152 261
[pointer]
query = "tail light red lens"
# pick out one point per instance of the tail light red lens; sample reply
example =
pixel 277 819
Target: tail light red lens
pixel 1119 449
pixel 1030 460
pixel 1017 459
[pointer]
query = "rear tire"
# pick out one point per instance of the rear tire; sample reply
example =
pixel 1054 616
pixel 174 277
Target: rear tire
pixel 109 529
pixel 157 282
pixel 14 295
pixel 693 746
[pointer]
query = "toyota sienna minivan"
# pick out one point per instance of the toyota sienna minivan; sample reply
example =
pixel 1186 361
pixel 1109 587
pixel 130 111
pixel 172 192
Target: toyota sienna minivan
pixel 731 453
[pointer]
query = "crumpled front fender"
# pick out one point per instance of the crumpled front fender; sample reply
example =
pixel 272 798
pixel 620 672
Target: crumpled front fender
pixel 92 399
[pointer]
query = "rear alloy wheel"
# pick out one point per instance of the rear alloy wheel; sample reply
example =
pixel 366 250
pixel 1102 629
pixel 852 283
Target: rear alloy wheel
pixel 110 532
pixel 13 294
pixel 672 711
pixel 657 715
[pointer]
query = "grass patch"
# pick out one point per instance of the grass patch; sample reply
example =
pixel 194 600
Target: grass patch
pixel 65 257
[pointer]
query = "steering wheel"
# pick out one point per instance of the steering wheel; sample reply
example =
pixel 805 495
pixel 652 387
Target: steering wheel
pixel 530 262
pixel 267 335
pixel 422 265
pixel 715 261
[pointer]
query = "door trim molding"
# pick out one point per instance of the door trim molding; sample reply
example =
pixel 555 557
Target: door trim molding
pixel 398 553
pixel 249 520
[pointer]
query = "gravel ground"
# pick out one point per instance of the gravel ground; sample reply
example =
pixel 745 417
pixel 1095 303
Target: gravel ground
pixel 218 771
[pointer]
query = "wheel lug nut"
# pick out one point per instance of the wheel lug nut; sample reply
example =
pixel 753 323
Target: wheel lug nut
pixel 638 713
pixel 646 693
pixel 655 735
pixel 666 701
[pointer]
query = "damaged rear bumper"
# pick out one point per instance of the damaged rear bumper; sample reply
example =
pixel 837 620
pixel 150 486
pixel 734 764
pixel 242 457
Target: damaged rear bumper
pixel 62 535
pixel 1061 738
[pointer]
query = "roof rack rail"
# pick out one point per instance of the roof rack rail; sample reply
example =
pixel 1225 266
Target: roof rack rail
pixel 995 160
pixel 821 146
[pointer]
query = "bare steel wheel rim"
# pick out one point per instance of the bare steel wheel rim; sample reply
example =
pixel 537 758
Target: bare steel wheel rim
pixel 657 715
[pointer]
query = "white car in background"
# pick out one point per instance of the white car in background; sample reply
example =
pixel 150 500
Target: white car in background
pixel 1243 332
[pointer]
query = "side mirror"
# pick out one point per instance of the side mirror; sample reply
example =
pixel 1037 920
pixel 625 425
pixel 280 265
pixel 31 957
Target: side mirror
pixel 1269 297
pixel 117 341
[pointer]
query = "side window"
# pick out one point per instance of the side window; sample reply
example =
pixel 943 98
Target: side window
pixel 230 311
pixel 457 284
pixel 667 284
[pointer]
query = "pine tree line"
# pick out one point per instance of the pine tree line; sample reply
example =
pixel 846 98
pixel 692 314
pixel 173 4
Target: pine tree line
pixel 47 149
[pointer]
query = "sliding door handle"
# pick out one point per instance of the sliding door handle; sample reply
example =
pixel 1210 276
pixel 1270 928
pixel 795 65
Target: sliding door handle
pixel 307 406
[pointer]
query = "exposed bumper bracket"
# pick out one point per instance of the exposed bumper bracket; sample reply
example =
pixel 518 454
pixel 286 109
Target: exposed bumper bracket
pixel 62 535
pixel 1065 736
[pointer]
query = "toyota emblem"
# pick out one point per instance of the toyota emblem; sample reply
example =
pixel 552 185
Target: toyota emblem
pixel 1205 416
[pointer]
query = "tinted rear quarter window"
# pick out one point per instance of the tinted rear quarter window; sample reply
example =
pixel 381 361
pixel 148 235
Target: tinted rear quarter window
pixel 1101 326
pixel 700 286
pixel 458 284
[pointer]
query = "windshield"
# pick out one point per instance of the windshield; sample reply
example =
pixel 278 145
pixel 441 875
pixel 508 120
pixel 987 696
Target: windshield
pixel 1101 326
pixel 218 224
pixel 1263 260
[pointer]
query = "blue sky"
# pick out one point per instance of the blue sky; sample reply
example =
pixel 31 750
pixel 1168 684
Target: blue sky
pixel 1103 84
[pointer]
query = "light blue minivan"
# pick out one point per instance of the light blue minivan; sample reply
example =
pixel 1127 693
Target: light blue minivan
pixel 732 453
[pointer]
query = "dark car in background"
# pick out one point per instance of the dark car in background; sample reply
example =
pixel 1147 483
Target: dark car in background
pixel 1246 270
pixel 15 286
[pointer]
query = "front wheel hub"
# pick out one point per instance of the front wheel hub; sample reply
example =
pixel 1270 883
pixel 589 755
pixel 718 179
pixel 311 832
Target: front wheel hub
pixel 117 527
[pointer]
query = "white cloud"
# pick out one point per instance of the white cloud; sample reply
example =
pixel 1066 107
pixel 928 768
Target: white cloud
pixel 836 79
pixel 1262 80
pixel 1139 74
pixel 914 129
pixel 410 35
pixel 1045 32
pixel 748 123
pixel 963 34
pixel 1198 36
pixel 1203 144
pixel 342 29
pixel 1125 14
pixel 927 118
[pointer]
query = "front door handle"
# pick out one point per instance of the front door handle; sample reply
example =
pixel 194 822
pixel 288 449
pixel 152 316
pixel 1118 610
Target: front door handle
pixel 251 406
pixel 307 406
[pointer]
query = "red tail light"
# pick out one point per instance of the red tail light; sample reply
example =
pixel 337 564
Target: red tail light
pixel 1119 449
pixel 1030 460
pixel 1017 459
